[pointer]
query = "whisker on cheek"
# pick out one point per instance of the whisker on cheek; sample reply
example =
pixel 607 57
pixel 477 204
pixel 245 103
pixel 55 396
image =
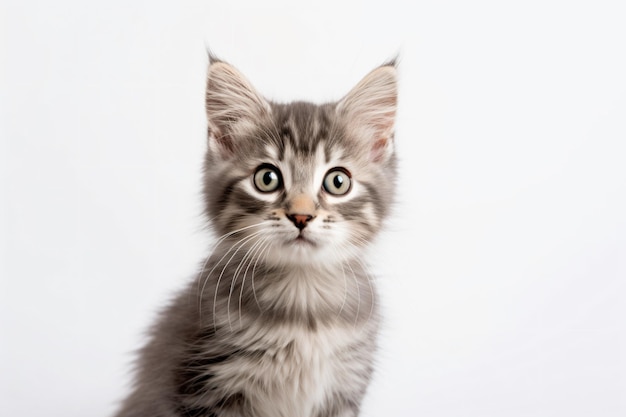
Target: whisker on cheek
pixel 242 262
pixel 256 252
pixel 221 239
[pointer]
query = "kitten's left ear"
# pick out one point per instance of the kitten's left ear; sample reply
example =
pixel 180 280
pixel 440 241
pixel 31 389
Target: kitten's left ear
pixel 370 110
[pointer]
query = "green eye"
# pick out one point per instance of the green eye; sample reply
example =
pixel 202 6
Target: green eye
pixel 267 178
pixel 338 181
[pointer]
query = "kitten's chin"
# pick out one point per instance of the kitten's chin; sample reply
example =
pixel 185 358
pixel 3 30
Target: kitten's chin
pixel 303 251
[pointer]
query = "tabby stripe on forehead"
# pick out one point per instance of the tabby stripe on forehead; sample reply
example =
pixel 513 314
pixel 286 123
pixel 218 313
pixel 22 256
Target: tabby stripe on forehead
pixel 327 151
pixel 300 137
pixel 322 135
pixel 286 137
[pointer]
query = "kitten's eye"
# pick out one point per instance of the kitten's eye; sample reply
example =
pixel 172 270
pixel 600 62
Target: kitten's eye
pixel 267 178
pixel 337 181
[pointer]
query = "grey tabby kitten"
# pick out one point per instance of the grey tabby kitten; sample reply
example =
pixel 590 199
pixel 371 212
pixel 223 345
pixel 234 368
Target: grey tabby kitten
pixel 282 321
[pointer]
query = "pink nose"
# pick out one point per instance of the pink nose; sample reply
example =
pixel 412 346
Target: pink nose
pixel 300 220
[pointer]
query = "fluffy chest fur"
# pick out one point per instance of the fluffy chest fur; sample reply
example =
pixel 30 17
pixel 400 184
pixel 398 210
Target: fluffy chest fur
pixel 287 371
pixel 295 345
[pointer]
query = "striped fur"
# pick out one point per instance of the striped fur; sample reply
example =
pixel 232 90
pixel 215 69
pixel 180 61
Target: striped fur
pixel 283 317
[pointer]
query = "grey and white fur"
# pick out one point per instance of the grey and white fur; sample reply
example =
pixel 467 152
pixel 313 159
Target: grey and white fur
pixel 283 318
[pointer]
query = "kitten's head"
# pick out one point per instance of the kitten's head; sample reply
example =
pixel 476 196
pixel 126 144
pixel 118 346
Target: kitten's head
pixel 299 183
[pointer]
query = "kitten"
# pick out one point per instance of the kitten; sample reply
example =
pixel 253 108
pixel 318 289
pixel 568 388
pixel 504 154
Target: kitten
pixel 283 319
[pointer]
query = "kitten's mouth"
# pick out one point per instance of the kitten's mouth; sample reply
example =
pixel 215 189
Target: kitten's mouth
pixel 302 240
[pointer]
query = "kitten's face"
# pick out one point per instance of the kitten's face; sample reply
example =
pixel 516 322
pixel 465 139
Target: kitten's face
pixel 299 183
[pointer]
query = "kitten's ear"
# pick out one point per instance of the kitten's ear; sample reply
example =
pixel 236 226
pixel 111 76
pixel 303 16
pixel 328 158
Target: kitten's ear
pixel 370 110
pixel 232 105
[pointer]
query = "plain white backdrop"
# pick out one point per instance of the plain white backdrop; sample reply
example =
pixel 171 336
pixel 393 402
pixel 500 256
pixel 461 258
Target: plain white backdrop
pixel 503 271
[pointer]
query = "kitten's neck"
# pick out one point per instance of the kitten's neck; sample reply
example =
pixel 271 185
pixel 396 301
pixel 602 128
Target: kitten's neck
pixel 320 292
pixel 312 293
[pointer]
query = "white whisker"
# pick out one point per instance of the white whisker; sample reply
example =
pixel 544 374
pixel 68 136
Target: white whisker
pixel 345 292
pixel 256 254
pixel 262 255
pixel 241 243
pixel 368 278
pixel 215 245
pixel 358 294
pixel 236 274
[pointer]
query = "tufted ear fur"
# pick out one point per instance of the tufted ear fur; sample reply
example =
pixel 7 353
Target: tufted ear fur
pixel 370 110
pixel 232 106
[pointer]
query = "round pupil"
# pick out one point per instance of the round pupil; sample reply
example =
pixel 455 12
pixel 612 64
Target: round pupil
pixel 338 181
pixel 269 177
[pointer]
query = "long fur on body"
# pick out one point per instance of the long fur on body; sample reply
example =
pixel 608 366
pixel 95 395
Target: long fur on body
pixel 283 318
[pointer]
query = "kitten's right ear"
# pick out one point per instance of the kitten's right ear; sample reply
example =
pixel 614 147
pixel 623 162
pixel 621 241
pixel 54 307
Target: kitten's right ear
pixel 370 110
pixel 232 105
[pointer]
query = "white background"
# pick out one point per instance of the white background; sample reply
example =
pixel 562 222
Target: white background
pixel 504 267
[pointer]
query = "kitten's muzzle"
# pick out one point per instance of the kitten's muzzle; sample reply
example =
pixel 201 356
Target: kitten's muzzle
pixel 300 220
